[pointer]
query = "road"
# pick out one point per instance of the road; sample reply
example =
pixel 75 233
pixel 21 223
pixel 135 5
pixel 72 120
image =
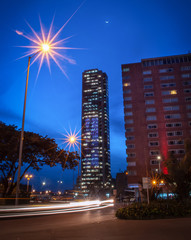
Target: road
pixel 93 225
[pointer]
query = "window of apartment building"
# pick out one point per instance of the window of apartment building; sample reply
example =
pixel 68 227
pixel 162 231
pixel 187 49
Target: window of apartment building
pixel 127 91
pixel 131 164
pixel 189 124
pixel 154 153
pixel 171 108
pixel 132 173
pixel 170 100
pixel 128 114
pixel 174 133
pixel 189 115
pixel 127 98
pixel 166 77
pixel 166 85
pixel 148 79
pixel 150 101
pixel 152 126
pixel 149 94
pixel 127 84
pixel 148 86
pixel 151 118
pixel 130 138
pixel 188 99
pixel 169 60
pixel 186 68
pixel 129 121
pixel 128 105
pixel 186 83
pixel 172 116
pixel 188 75
pixel 169 92
pixel 175 142
pixel 180 151
pixel 153 134
pixel 130 129
pixel 187 90
pixel 125 77
pixel 130 146
pixel 176 151
pixel 188 107
pixel 165 70
pixel 154 162
pixel 171 125
pixel 131 155
pixel 147 72
pixel 153 143
pixel 151 109
pixel 126 69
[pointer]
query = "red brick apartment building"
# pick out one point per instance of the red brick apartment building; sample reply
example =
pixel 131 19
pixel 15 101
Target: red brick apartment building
pixel 157 112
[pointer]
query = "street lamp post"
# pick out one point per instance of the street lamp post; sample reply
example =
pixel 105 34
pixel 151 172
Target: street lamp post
pixel 45 48
pixel 28 177
pixel 159 162
pixel 22 135
pixel 73 140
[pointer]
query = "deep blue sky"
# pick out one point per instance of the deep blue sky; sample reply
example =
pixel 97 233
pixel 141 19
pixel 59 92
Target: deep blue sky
pixel 136 29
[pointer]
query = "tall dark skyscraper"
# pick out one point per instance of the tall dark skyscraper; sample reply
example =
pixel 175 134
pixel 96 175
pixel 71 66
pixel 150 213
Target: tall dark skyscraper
pixel 157 108
pixel 95 165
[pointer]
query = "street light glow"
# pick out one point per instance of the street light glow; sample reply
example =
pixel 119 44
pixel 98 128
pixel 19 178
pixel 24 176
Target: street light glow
pixel 72 139
pixel 154 182
pixel 45 47
pixel 28 177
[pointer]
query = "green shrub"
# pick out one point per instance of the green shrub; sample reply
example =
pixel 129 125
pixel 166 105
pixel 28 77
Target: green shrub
pixel 154 210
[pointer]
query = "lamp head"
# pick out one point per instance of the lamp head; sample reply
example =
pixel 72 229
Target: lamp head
pixel 45 47
pixel 154 182
pixel 72 139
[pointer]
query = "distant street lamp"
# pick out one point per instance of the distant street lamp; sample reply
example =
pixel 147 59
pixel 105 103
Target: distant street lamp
pixel 73 141
pixel 159 162
pixel 154 182
pixel 28 177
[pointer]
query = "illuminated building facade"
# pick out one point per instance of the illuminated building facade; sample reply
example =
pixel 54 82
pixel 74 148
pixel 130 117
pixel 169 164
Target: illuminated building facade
pixel 157 112
pixel 95 165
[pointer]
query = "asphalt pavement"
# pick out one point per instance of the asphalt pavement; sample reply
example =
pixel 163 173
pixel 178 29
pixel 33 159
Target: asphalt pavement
pixel 93 225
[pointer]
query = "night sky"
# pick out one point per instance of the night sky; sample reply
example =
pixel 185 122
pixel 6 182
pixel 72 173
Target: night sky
pixel 110 33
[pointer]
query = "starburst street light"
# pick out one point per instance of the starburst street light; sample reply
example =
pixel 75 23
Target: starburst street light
pixel 45 46
pixel 72 140
pixel 41 47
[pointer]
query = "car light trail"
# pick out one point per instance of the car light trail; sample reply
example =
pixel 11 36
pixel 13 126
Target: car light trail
pixel 56 209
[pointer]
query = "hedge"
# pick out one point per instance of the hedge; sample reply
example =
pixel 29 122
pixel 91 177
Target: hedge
pixel 155 210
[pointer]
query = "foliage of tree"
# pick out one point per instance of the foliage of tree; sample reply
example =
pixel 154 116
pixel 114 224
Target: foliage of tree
pixel 179 173
pixel 37 152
